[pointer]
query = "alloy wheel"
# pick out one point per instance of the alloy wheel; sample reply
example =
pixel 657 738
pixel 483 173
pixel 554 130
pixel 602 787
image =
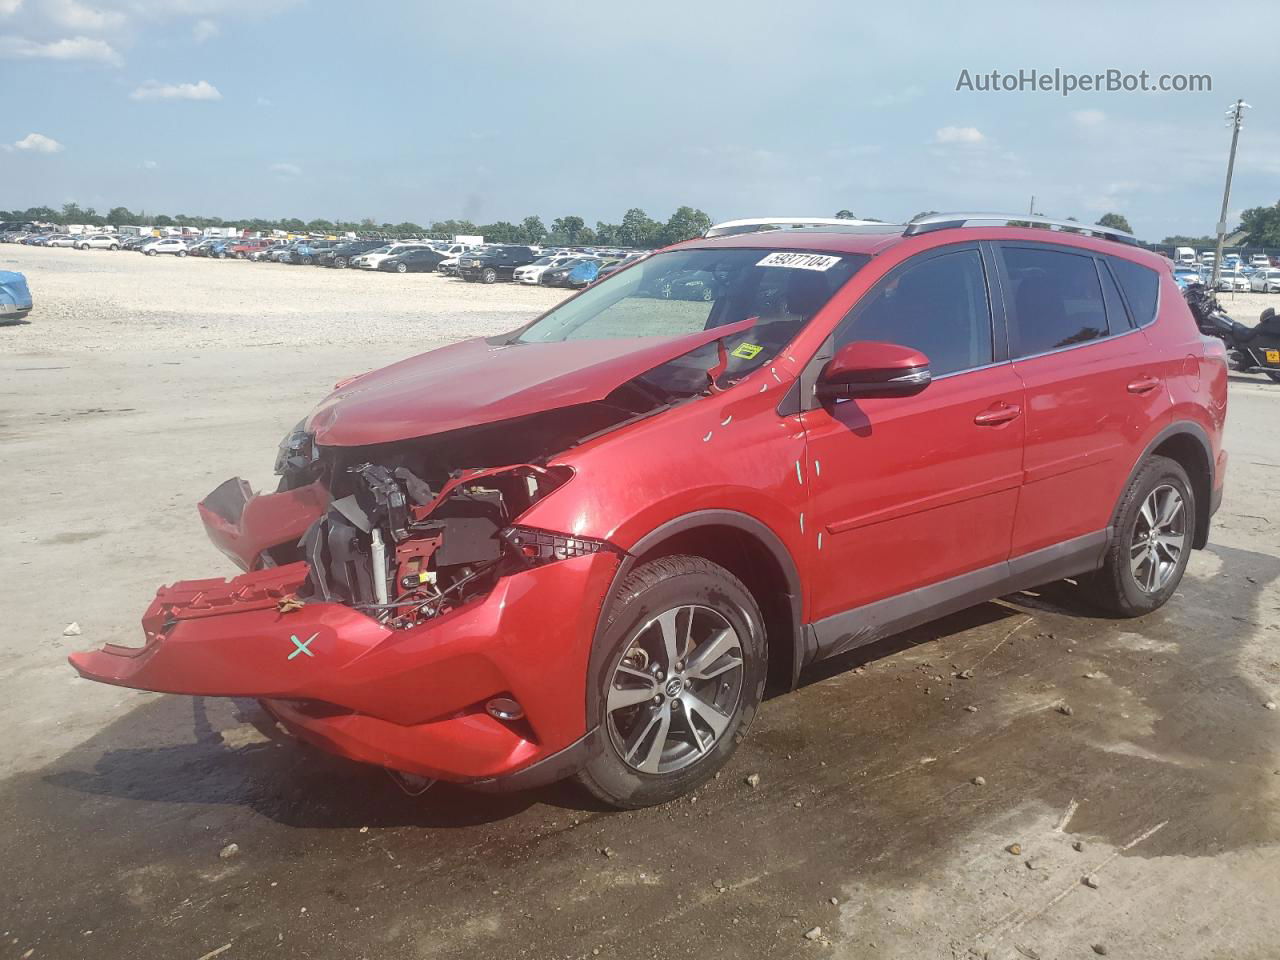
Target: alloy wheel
pixel 675 689
pixel 1159 538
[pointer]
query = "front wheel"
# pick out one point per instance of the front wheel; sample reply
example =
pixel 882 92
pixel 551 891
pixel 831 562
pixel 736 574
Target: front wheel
pixel 115 246
pixel 182 253
pixel 489 275
pixel 340 262
pixel 151 253
pixel 1154 530
pixel 402 268
pixel 679 676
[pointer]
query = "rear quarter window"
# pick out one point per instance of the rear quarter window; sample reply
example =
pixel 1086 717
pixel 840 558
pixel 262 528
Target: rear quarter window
pixel 1141 288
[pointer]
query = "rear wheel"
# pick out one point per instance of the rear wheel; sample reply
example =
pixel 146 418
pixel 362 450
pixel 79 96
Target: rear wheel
pixel 340 262
pixel 681 674
pixel 489 275
pixel 182 253
pixel 1154 530
pixel 402 268
pixel 151 253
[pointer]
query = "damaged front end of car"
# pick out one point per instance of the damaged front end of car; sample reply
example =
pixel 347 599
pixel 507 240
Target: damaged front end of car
pixel 396 606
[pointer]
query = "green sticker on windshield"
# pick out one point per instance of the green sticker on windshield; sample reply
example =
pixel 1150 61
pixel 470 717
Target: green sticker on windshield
pixel 746 351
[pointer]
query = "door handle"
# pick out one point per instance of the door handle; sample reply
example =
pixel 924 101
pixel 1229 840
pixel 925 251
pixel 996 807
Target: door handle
pixel 998 414
pixel 1143 385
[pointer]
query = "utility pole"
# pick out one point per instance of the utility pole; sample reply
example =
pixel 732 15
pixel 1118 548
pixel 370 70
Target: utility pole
pixel 1236 119
pixel 1032 209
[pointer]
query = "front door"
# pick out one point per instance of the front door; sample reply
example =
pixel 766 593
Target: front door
pixel 909 492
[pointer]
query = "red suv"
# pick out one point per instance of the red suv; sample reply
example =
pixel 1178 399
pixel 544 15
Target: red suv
pixel 581 548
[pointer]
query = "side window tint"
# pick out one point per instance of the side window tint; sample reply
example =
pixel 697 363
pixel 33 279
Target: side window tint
pixel 1117 318
pixel 937 305
pixel 1057 300
pixel 1140 285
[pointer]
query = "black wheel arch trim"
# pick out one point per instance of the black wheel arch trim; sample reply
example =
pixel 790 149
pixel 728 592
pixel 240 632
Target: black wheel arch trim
pixel 682 524
pixel 1203 510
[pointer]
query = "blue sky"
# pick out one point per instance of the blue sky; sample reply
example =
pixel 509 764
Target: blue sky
pixel 402 110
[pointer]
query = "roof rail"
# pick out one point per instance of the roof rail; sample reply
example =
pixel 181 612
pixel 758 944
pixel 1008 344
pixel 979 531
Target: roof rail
pixel 756 224
pixel 944 221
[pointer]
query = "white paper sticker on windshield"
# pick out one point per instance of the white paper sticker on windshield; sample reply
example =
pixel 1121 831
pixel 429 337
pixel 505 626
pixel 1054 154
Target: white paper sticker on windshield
pixel 799 261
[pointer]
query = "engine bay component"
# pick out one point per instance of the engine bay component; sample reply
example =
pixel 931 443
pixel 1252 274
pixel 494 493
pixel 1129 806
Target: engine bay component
pixel 404 551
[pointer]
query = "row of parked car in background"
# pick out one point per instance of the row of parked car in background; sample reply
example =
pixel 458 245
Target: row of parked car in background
pixel 473 262
pixel 1258 274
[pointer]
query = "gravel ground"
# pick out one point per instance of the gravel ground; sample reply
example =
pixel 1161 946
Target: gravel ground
pixel 99 300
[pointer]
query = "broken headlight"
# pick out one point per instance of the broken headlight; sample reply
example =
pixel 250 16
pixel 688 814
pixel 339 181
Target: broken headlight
pixel 297 451
pixel 536 547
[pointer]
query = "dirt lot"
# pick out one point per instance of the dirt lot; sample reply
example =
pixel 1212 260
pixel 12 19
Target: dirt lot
pixel 141 383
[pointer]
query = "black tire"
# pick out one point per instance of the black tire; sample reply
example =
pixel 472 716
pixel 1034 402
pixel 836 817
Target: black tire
pixel 340 262
pixel 1115 588
pixel 402 268
pixel 307 261
pixel 114 246
pixel 683 583
pixel 488 275
pixel 182 253
pixel 150 253
pixel 240 255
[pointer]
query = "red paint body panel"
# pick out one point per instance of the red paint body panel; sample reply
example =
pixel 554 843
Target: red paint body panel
pixel 1085 433
pixel 475 382
pixel 909 491
pixel 529 638
pixel 268 519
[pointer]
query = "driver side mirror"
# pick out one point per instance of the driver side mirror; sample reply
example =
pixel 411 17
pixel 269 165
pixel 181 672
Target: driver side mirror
pixel 870 368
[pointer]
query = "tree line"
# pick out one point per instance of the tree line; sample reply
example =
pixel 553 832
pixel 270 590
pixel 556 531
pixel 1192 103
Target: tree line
pixel 636 229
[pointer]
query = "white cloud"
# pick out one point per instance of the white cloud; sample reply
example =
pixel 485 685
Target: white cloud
pixel 38 143
pixel 149 164
pixel 202 90
pixel 9 7
pixel 958 135
pixel 264 102
pixel 286 169
pixel 204 30
pixel 71 48
pixel 1088 119
pixel 75 15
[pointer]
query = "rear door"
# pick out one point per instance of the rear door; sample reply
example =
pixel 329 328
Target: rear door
pixel 1093 390
pixel 911 491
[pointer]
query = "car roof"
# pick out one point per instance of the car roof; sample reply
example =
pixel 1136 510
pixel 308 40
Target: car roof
pixel 875 239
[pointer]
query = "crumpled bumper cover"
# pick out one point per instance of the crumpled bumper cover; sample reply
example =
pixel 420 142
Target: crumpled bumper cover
pixel 243 524
pixel 409 699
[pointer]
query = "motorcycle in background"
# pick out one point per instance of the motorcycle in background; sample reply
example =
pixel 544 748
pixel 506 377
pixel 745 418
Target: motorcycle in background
pixel 1249 349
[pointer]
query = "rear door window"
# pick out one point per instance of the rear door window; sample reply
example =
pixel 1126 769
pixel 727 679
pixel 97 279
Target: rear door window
pixel 1141 288
pixel 1056 299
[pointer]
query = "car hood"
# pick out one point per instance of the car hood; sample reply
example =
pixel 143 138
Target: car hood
pixel 479 381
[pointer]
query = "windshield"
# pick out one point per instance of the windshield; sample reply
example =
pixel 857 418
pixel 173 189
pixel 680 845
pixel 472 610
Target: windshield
pixel 686 291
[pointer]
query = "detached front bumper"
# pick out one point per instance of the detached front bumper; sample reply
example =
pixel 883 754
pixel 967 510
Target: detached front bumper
pixel 412 700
